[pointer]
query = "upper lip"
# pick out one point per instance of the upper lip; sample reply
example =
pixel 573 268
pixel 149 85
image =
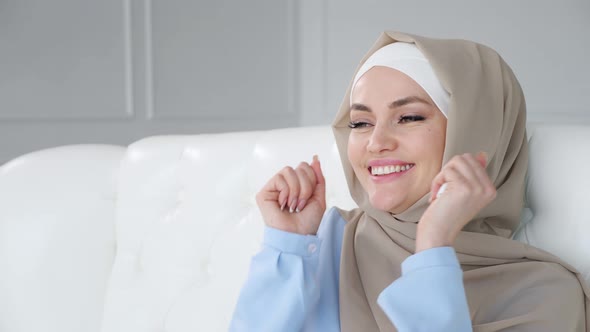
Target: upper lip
pixel 386 162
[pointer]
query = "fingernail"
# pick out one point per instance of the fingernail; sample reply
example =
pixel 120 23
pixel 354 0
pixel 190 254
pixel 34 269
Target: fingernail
pixel 283 206
pixel 441 190
pixel 301 205
pixel 293 206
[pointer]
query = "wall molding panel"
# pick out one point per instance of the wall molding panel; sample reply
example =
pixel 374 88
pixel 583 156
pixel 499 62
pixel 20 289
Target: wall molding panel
pixel 113 72
pixel 62 62
pixel 269 60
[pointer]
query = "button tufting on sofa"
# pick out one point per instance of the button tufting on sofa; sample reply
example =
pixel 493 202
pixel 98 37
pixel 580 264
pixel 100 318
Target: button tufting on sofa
pixel 185 224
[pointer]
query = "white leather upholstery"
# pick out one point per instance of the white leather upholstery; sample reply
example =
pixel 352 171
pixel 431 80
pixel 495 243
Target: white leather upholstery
pixel 558 193
pixel 57 241
pixel 187 224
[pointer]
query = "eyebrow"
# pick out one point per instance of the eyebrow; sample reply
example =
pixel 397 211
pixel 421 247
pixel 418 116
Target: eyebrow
pixel 394 104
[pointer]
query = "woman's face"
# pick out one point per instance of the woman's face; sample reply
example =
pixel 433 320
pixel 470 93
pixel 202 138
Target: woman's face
pixel 398 138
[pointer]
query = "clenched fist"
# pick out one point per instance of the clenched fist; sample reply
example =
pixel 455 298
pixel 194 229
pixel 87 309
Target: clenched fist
pixel 294 200
pixel 468 189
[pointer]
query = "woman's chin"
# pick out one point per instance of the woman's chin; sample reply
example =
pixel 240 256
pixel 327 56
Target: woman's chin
pixel 382 204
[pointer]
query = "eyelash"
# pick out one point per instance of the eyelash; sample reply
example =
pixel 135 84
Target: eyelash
pixel 403 119
pixel 357 124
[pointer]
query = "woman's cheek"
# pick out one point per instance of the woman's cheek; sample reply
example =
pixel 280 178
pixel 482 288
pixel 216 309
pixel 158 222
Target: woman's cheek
pixel 353 151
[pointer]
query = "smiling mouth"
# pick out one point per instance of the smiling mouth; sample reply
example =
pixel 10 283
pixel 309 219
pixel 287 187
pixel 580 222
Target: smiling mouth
pixel 386 170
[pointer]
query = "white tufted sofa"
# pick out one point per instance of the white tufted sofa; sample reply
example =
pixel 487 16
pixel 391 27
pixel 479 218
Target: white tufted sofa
pixel 158 236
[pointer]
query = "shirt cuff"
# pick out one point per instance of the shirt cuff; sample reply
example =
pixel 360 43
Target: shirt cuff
pixel 434 257
pixel 292 243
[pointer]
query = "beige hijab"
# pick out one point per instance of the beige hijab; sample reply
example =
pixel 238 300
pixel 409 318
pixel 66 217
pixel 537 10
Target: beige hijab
pixel 510 286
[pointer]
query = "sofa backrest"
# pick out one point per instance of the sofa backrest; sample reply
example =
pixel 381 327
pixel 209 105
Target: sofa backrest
pixel 187 222
pixel 558 194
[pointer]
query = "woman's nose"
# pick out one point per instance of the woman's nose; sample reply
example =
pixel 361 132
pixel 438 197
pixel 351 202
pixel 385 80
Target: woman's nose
pixel 382 139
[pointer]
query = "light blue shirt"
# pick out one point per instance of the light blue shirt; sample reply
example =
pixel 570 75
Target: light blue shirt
pixel 293 286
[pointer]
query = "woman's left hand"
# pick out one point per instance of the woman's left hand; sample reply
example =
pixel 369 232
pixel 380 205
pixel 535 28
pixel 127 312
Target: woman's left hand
pixel 468 190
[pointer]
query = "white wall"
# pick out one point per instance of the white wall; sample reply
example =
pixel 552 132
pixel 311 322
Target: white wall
pixel 114 71
pixel 546 42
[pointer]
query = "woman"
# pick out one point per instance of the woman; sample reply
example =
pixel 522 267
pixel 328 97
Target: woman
pixel 432 139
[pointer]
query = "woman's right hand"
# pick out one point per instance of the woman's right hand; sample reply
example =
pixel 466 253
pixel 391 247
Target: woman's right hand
pixel 294 200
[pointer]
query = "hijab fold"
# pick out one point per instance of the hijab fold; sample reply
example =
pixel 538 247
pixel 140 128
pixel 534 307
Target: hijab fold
pixel 487 112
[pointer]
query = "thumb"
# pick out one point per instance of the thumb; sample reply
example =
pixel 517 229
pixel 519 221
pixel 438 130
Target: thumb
pixel 320 189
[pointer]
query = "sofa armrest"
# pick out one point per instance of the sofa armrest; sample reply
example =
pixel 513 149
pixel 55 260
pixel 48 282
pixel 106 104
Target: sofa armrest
pixel 57 241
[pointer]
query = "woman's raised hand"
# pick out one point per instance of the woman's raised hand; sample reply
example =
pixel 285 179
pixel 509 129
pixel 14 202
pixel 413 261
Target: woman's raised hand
pixel 294 200
pixel 468 190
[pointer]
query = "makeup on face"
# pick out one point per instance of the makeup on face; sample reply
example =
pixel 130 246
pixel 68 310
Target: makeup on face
pixel 397 138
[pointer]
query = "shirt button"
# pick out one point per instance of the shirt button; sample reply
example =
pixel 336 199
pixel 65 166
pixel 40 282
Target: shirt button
pixel 312 248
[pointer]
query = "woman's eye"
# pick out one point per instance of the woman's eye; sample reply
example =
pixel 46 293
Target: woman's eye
pixel 357 124
pixel 410 118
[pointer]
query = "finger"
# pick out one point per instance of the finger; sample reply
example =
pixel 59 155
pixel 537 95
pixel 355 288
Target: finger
pixel 320 188
pixel 307 181
pixel 476 164
pixel 283 189
pixel 486 183
pixel 267 196
pixel 275 190
pixel 442 189
pixel 450 176
pixel 482 157
pixel 437 182
pixel 317 168
pixel 309 172
pixel 463 164
pixel 293 182
pixel 467 165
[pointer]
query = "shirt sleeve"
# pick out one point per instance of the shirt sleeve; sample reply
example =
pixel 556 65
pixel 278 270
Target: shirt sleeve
pixel 282 284
pixel 429 295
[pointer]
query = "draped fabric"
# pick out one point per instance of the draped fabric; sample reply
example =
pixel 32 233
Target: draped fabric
pixel 509 285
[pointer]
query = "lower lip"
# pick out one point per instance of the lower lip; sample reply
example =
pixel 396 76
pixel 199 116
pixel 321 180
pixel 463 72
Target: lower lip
pixel 390 177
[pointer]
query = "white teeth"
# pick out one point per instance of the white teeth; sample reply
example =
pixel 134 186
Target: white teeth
pixel 382 170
